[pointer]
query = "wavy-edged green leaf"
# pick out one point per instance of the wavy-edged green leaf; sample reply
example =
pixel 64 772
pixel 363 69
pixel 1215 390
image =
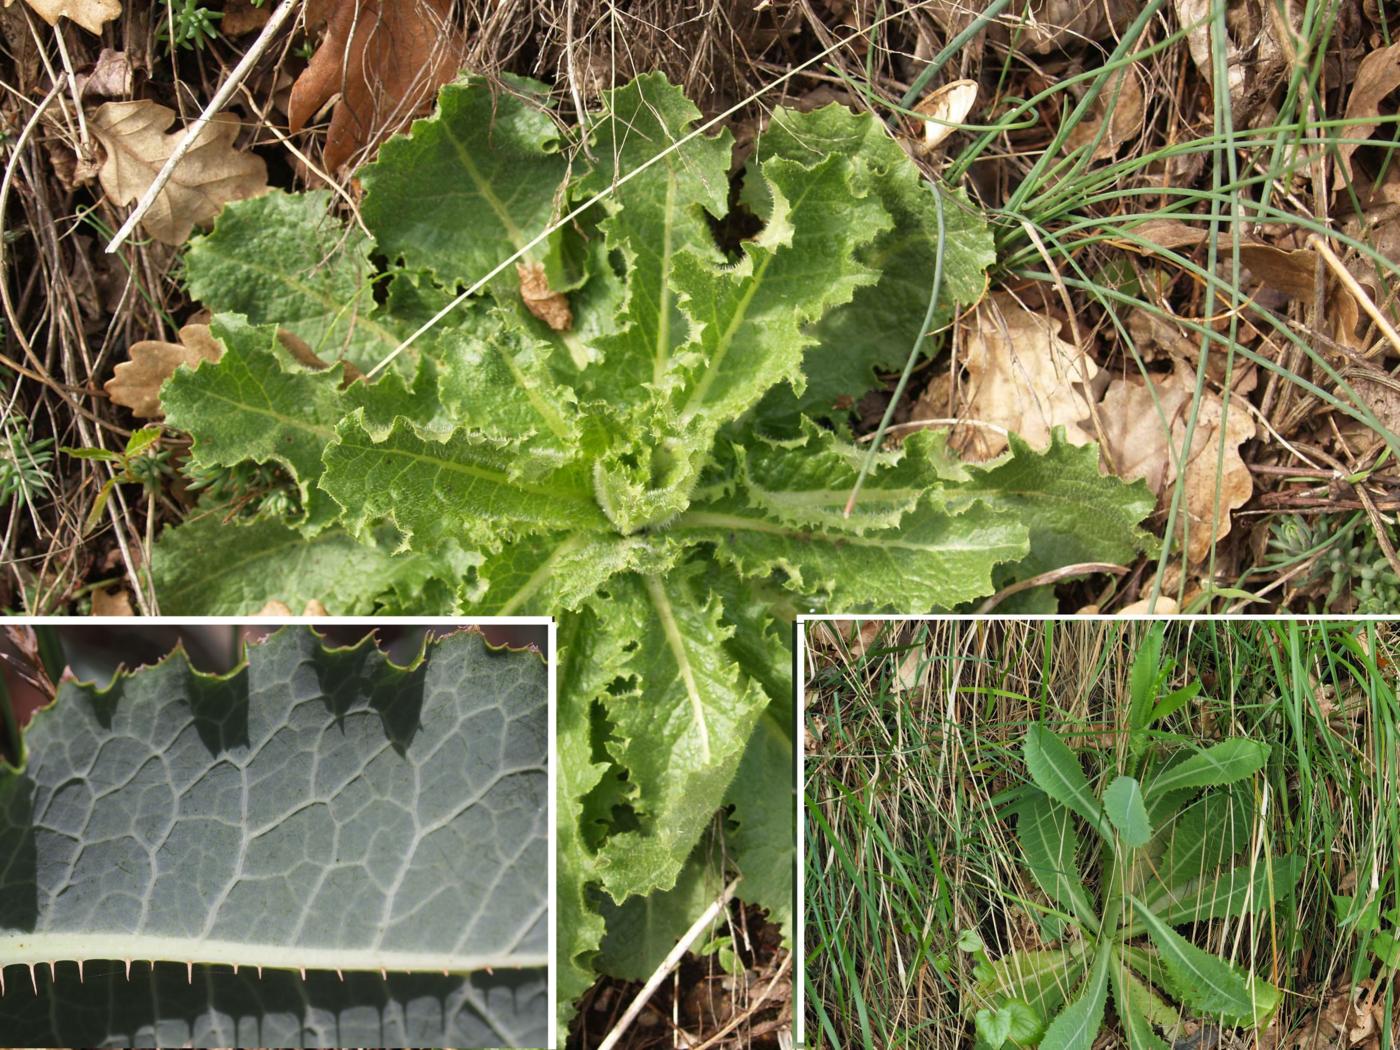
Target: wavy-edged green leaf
pixel 1139 1008
pixel 875 330
pixel 751 316
pixel 1215 766
pixel 1204 982
pixel 264 561
pixel 541 575
pixel 1049 491
pixel 283 259
pixel 643 930
pixel 1122 802
pixel 466 485
pixel 1143 679
pixel 588 658
pixel 931 560
pixel 807 481
pixel 1051 846
pixel 656 214
pixel 1056 771
pixel 1236 892
pixel 1043 978
pixel 315 808
pixel 681 726
pixel 1077 1025
pixel 472 184
pixel 169 1005
pixel 255 404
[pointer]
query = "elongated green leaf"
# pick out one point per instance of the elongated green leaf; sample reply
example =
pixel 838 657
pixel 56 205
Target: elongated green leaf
pixel 316 808
pixel 1042 978
pixel 681 728
pixel 282 259
pixel 255 404
pixel 1219 764
pixel 1077 1025
pixel 472 184
pixel 1139 1008
pixel 1051 846
pixel 1231 893
pixel 1144 676
pixel 1122 802
pixel 1202 839
pixel 435 491
pixel 212 1006
pixel 1204 982
pixel 1057 772
pixel 263 561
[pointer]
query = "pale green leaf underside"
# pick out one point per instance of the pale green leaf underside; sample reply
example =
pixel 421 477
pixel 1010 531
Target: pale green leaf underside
pixel 212 1006
pixel 1051 843
pixel 314 809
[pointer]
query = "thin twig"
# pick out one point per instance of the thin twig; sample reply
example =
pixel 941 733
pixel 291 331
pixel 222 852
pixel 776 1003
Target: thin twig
pixel 1354 287
pixel 1053 576
pixel 220 99
pixel 753 1007
pixel 668 964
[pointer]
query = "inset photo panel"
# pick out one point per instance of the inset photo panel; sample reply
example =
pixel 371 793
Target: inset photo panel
pixel 1100 833
pixel 261 834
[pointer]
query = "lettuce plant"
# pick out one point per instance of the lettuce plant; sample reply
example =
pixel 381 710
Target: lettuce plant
pixel 1172 855
pixel 320 847
pixel 637 429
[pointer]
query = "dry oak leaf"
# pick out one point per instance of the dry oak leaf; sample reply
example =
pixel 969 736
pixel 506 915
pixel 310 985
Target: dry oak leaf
pixel 1377 75
pixel 136 383
pixel 1022 376
pixel 1116 117
pixel 92 15
pixel 385 60
pixel 111 602
pixel 1136 446
pixel 549 306
pixel 211 174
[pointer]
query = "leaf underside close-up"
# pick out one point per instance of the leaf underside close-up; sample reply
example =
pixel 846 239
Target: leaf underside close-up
pixel 321 848
pixel 654 445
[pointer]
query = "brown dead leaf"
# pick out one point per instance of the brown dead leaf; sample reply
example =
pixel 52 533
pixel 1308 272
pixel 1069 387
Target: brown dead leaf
pixel 946 107
pixel 1117 113
pixel 136 383
pixel 549 306
pixel 110 77
pixel 1021 376
pixel 840 636
pixel 1377 76
pixel 92 15
pixel 1136 445
pixel 107 602
pixel 1163 606
pixel 384 60
pixel 211 174
pixel 240 16
pixel 1294 273
pixel 1255 56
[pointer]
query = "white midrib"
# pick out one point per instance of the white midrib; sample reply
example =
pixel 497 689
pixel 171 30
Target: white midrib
pixel 677 646
pixel 35 949
pixel 663 316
